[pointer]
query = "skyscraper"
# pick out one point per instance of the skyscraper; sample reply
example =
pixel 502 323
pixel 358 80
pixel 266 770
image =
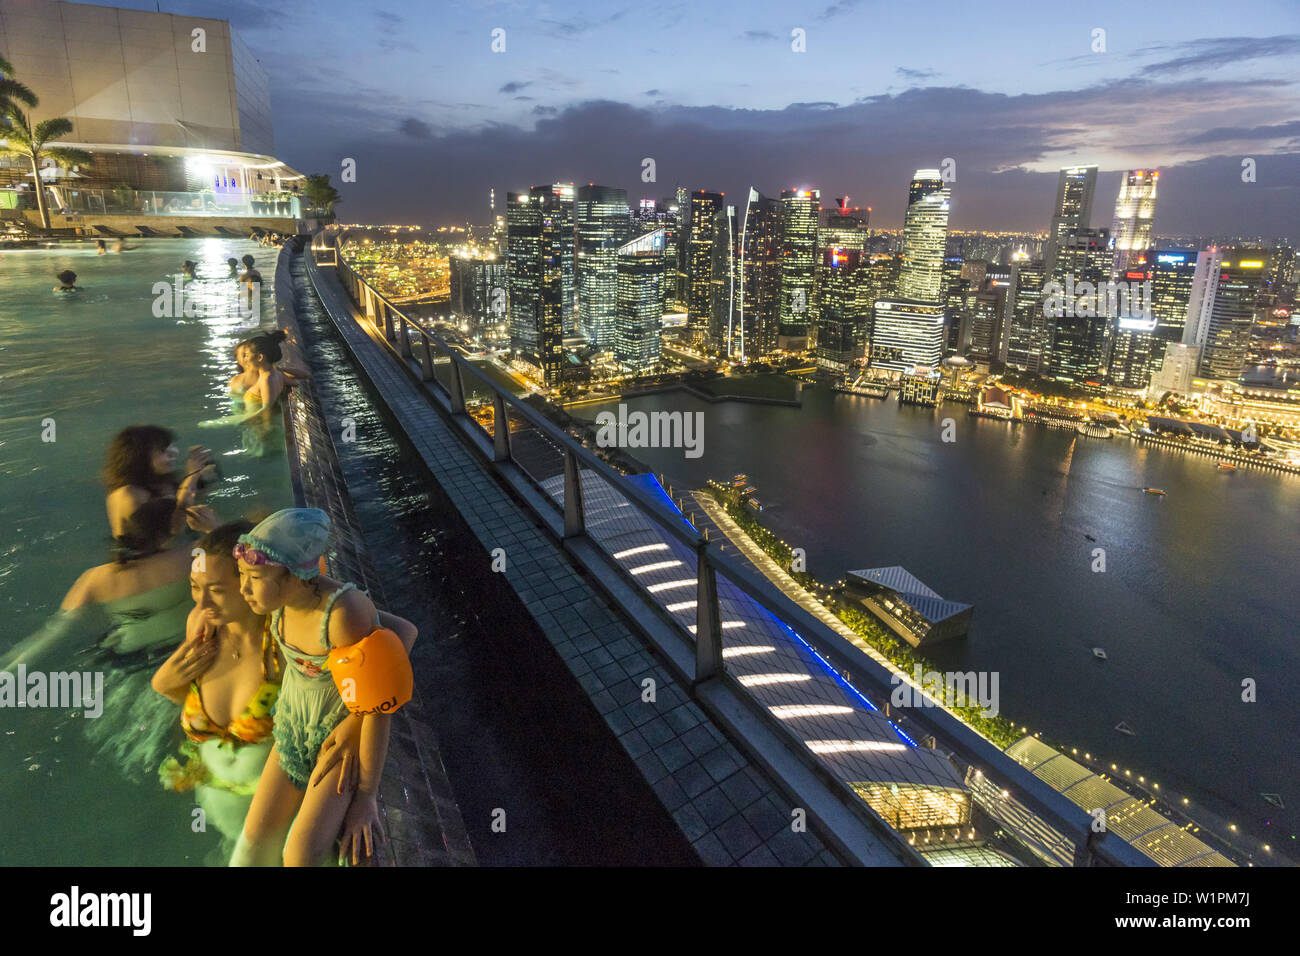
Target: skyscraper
pixel 800 209
pixel 722 284
pixel 1026 327
pixel 1134 209
pixel 1073 209
pixel 1221 309
pixel 601 216
pixel 536 226
pixel 758 304
pixel 562 203
pixel 842 314
pixel 704 210
pixel 908 328
pixel 640 270
pixel 925 231
pixel 1078 333
pixel 478 283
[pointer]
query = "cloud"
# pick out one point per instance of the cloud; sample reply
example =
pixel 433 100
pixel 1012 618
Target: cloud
pixel 574 27
pixel 815 105
pixel 414 128
pixel 545 111
pixel 1211 53
pixel 907 74
pixel 651 93
pixel 840 6
pixel 514 86
pixel 1232 134
pixel 758 35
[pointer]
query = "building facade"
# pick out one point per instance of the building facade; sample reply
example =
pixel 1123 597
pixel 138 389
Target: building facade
pixel 602 222
pixel 640 270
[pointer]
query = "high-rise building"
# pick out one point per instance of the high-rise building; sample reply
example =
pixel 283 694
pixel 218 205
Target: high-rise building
pixel 1135 349
pixel 722 284
pixel 758 305
pixel 925 232
pixel 843 227
pixel 1171 289
pixel 536 227
pixel 1027 332
pixel 1221 308
pixel 704 210
pixel 1073 209
pixel 640 271
pixel 478 284
pixel 1134 209
pixel 601 217
pixel 1080 330
pixel 800 210
pixel 681 287
pixel 842 313
pixel 563 201
pixel 908 327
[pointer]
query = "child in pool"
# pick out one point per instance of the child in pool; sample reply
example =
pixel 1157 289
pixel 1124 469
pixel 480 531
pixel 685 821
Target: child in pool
pixel 310 615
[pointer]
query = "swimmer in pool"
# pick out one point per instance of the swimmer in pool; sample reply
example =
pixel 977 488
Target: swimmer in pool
pixel 189 268
pixel 280 576
pixel 233 263
pixel 101 248
pixel 140 465
pixel 68 280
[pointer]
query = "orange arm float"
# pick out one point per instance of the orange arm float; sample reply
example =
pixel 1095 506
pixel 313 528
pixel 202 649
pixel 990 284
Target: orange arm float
pixel 374 674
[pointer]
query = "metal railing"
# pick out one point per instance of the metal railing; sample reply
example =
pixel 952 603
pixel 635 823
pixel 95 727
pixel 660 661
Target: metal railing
pixel 522 436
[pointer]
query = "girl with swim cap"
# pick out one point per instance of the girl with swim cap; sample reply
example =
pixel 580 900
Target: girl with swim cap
pixel 310 615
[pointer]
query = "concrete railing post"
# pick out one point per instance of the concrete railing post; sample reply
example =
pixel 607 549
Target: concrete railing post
pixel 404 335
pixel 427 363
pixel 501 429
pixel 456 385
pixel 708 624
pixel 575 522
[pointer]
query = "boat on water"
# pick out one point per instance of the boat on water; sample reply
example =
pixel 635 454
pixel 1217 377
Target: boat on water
pixel 754 503
pixel 1225 466
pixel 1098 653
pixel 1153 491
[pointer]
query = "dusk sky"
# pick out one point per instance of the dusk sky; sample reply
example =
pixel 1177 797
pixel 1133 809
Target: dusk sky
pixel 715 95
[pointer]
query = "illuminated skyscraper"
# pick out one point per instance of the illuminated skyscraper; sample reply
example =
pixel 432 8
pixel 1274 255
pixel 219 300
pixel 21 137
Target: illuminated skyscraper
pixel 704 210
pixel 722 285
pixel 536 227
pixel 758 303
pixel 1079 335
pixel 1221 308
pixel 1073 209
pixel 842 314
pixel 640 269
pixel 1027 333
pixel 1134 209
pixel 601 215
pixel 562 203
pixel 800 209
pixel 925 231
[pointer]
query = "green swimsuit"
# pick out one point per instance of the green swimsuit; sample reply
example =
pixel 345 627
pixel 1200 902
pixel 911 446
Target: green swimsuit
pixel 309 706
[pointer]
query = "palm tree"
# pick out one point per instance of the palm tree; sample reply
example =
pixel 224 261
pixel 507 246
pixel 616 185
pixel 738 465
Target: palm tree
pixel 318 191
pixel 32 142
pixel 11 90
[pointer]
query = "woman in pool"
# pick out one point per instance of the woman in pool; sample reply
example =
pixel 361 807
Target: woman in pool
pixel 310 615
pixel 116 618
pixel 140 466
pixel 68 281
pixel 101 248
pixel 189 269
pixel 233 264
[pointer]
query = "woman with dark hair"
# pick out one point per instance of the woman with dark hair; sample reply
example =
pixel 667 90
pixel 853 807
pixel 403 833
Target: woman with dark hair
pixel 233 264
pixel 67 281
pixel 140 466
pixel 114 619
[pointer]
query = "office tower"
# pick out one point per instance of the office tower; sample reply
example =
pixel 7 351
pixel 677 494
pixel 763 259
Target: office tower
pixel 1134 349
pixel 986 339
pixel 758 306
pixel 1221 308
pixel 640 269
pixel 1172 274
pixel 843 227
pixel 800 209
pixel 1073 209
pixel 842 313
pixel 1026 327
pixel 601 217
pixel 1079 331
pixel 961 283
pixel 704 209
pixel 478 284
pixel 681 287
pixel 1134 209
pixel 906 333
pixel 908 327
pixel 925 232
pixel 722 284
pixel 536 227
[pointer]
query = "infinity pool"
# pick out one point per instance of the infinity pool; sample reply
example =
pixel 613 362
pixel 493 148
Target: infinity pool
pixel 93 363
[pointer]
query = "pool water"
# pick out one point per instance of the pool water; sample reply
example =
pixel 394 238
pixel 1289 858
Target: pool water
pixel 78 368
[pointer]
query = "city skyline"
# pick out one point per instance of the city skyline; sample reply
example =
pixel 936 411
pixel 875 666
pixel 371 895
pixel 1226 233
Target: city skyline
pixel 1010 101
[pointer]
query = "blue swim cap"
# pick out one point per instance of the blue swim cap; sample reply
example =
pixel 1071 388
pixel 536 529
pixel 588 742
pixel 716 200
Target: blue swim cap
pixel 294 538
